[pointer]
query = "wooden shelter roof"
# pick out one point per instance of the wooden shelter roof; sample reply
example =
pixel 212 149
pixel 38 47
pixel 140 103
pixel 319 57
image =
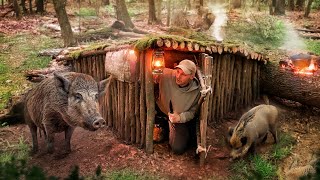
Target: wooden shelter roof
pixel 167 42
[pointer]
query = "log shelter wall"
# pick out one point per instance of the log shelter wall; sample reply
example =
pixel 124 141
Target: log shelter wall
pixel 235 81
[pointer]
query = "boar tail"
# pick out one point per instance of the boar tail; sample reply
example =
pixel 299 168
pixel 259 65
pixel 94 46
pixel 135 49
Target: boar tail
pixel 266 99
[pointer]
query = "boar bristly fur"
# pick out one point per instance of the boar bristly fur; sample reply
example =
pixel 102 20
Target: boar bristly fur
pixel 252 129
pixel 61 103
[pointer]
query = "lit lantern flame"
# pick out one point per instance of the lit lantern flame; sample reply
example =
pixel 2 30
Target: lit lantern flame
pixel 158 62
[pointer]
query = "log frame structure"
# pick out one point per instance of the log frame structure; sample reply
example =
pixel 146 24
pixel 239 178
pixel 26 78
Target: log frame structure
pixel 233 73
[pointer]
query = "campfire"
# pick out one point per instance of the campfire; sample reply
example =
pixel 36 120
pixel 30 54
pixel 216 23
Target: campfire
pixel 301 64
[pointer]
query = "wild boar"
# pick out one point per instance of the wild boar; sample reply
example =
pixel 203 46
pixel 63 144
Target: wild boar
pixel 252 129
pixel 61 103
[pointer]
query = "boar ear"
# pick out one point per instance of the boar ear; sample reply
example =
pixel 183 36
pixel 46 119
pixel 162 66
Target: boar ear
pixel 64 81
pixel 243 140
pixel 104 85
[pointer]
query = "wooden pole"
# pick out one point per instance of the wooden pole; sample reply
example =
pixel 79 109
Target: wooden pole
pixel 142 99
pixel 131 113
pixel 206 66
pixel 127 127
pixel 150 102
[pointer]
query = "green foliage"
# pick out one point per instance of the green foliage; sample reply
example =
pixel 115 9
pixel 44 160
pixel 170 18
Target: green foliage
pixel 86 12
pixel 261 30
pixel 315 4
pixel 263 168
pixel 127 175
pixel 283 148
pixel 20 53
pixel 313 46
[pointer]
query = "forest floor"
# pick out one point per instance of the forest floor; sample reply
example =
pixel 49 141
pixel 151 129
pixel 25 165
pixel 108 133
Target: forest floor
pixel 90 149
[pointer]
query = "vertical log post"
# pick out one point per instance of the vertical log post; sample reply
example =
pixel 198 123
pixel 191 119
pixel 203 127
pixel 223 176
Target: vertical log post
pixel 142 99
pixel 150 102
pixel 206 66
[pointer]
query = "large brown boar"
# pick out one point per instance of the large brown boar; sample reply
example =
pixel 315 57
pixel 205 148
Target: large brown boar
pixel 61 103
pixel 252 129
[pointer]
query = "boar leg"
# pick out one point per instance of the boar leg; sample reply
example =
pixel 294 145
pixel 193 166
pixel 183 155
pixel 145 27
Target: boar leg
pixel 50 139
pixel 33 129
pixel 68 134
pixel 273 131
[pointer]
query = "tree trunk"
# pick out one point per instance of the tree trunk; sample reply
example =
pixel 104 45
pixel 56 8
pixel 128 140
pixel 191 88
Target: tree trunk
pixel 308 8
pixel 285 84
pixel 152 12
pixel 189 4
pixel 291 5
pixel 158 9
pixel 30 7
pixel 122 13
pixel 40 6
pixel 272 4
pixel 201 2
pixel 169 12
pixel 23 5
pixel 300 5
pixel 66 31
pixel 16 9
pixel 280 7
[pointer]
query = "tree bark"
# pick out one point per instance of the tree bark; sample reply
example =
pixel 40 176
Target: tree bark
pixel 280 7
pixel 23 5
pixel 152 12
pixel 30 7
pixel 40 6
pixel 122 13
pixel 300 4
pixel 285 84
pixel 169 12
pixel 236 4
pixel 16 9
pixel 66 31
pixel 308 8
pixel 291 5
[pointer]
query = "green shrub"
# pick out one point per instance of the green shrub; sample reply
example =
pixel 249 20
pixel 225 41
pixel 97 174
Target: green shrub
pixel 263 30
pixel 313 46
pixel 283 148
pixel 263 168
pixel 86 12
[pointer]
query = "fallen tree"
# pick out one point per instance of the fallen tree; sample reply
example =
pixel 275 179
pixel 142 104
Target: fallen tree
pixel 283 83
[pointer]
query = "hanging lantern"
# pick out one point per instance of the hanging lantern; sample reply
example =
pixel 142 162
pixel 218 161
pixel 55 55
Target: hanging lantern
pixel 157 62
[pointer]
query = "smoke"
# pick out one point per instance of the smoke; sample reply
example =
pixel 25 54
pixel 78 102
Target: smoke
pixel 292 41
pixel 220 20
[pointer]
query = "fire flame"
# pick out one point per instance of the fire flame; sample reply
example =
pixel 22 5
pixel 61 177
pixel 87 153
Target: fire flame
pixel 306 71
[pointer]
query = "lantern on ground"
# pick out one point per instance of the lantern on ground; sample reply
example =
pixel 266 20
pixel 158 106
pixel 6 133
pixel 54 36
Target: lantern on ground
pixel 158 62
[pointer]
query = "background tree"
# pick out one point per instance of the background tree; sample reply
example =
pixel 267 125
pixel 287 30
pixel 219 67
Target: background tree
pixel 280 7
pixel 168 12
pixel 30 7
pixel 308 8
pixel 152 12
pixel 17 10
pixel 291 5
pixel 66 31
pixel 300 5
pixel 40 6
pixel 123 14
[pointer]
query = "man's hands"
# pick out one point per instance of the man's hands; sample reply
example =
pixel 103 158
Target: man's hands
pixel 174 118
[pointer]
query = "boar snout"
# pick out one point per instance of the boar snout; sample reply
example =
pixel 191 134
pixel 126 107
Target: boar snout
pixel 99 123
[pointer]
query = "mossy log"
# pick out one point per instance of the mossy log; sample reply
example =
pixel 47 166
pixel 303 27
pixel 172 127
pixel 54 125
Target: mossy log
pixel 304 89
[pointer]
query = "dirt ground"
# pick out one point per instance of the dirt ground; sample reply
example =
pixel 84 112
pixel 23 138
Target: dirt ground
pixel 90 149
